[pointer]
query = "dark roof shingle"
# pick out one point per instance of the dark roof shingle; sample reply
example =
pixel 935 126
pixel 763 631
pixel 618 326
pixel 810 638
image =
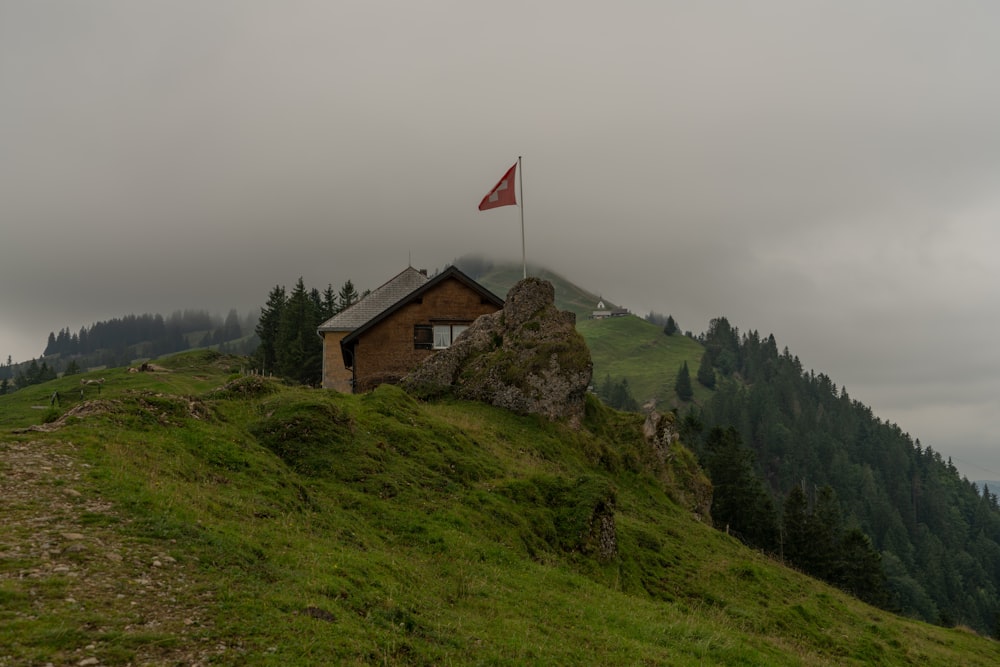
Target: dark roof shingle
pixel 376 303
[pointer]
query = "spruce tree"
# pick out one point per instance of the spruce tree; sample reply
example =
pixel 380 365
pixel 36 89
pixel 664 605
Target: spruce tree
pixel 231 329
pixel 624 399
pixel 706 373
pixel 859 569
pixel 796 532
pixel 33 374
pixel 606 390
pixel 826 527
pixel 348 296
pixel 329 303
pixel 683 384
pixel 299 351
pixel 267 329
pixel 722 343
pixel 740 503
pixel 670 328
pixel 317 301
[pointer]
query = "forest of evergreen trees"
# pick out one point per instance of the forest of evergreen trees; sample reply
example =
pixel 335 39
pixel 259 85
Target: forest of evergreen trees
pixel 148 335
pixel 119 341
pixel 851 488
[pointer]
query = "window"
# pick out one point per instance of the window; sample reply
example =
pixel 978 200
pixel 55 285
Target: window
pixel 445 334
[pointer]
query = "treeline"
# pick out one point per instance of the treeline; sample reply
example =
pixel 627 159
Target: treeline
pixel 795 432
pixel 289 345
pixel 809 534
pixel 617 394
pixel 24 375
pixel 120 341
pixel 149 335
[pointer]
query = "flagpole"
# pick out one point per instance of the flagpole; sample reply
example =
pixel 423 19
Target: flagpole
pixel 520 178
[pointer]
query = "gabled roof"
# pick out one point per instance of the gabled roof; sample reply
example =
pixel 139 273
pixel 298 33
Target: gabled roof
pixel 381 299
pixel 393 295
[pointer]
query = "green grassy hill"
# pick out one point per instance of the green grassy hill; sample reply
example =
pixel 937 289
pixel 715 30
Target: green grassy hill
pixel 193 516
pixel 631 348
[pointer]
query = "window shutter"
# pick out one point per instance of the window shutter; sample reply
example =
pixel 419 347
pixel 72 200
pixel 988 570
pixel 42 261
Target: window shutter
pixel 423 337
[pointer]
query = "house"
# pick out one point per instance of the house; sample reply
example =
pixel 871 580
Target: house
pixel 604 314
pixel 386 334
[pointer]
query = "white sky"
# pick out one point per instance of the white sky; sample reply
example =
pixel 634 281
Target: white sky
pixel 826 171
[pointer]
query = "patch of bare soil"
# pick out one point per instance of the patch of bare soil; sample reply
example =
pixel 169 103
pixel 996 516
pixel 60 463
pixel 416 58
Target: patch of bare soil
pixel 62 552
pixel 81 411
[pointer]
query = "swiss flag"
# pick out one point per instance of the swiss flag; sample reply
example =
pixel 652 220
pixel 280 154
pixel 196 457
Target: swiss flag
pixel 502 193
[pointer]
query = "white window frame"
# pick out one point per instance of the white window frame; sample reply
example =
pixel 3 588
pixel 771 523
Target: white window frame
pixel 445 334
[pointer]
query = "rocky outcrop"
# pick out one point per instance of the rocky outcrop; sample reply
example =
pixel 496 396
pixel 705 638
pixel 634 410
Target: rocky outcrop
pixel 527 358
pixel 604 534
pixel 677 466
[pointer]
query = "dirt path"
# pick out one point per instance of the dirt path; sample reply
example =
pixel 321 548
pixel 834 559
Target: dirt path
pixel 74 587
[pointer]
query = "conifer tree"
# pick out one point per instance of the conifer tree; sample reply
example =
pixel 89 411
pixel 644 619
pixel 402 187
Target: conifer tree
pixel 317 301
pixel 623 399
pixel 329 303
pixel 298 350
pixel 34 370
pixel 683 384
pixel 617 395
pixel 723 345
pixel 267 329
pixel 670 328
pixel 606 389
pixel 859 569
pixel 348 296
pixel 795 527
pixel 826 528
pixel 231 329
pixel 706 373
pixel 740 503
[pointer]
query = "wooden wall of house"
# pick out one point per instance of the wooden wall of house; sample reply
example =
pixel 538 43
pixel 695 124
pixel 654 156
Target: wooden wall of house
pixel 385 353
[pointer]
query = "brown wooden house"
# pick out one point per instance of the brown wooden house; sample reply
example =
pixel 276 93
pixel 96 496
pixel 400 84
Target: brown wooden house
pixel 386 334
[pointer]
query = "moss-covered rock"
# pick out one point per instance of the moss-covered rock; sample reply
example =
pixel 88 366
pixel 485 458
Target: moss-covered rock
pixel 677 466
pixel 527 358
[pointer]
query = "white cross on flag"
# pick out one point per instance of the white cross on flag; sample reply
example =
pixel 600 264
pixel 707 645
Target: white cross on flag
pixel 502 193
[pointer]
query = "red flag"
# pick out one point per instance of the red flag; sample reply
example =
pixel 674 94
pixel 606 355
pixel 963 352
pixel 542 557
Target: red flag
pixel 502 193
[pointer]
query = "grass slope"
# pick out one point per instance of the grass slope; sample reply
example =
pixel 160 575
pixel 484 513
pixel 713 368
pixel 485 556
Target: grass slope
pixel 632 348
pixel 193 516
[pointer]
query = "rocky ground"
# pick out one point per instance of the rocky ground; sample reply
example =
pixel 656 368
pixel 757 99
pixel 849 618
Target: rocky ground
pixel 84 591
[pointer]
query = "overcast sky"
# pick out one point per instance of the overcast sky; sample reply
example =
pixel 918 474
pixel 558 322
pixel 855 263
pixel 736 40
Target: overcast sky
pixel 826 171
